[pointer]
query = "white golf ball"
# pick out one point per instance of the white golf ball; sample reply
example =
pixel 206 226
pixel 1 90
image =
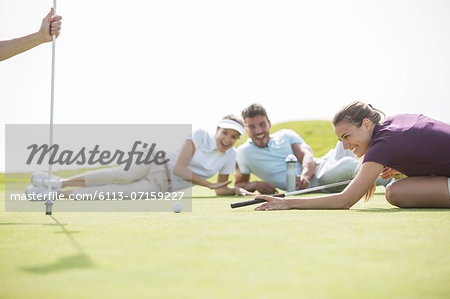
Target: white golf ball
pixel 177 207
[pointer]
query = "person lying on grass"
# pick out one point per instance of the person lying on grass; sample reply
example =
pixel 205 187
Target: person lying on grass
pixel 200 158
pixel 264 155
pixel 408 144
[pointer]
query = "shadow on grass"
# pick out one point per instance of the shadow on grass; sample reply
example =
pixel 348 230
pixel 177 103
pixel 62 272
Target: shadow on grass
pixel 65 263
pixel 24 223
pixel 76 261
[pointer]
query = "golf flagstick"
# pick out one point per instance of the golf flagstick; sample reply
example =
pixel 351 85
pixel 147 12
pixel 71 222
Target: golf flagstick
pixel 49 201
pixel 296 192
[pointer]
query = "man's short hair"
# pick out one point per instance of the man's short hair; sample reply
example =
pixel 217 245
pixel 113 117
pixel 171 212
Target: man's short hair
pixel 254 110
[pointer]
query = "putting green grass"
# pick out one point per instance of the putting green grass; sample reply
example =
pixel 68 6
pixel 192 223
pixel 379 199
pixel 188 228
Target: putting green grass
pixel 375 251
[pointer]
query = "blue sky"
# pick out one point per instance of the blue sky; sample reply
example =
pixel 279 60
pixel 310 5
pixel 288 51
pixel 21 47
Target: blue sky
pixel 195 61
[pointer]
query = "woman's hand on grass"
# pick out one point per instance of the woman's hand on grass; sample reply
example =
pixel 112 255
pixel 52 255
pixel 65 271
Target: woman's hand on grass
pixel 218 185
pixel 273 203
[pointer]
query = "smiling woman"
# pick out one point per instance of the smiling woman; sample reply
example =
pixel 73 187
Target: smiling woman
pixel 204 155
pixel 410 144
pixel 356 116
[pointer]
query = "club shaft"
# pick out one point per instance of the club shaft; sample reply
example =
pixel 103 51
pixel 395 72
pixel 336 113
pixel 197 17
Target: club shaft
pixel 318 188
pixel 259 200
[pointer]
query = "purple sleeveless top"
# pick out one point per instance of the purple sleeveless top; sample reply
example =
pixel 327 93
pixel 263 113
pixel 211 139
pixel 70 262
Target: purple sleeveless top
pixel 413 144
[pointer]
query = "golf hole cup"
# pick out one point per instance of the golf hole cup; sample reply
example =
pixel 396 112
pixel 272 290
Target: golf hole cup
pixel 48 206
pixel 291 173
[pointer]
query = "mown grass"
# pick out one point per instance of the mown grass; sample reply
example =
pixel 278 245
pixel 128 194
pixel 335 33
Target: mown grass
pixel 375 251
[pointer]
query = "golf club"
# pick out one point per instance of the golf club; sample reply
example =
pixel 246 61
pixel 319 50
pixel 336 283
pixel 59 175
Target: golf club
pixel 318 188
pixel 49 201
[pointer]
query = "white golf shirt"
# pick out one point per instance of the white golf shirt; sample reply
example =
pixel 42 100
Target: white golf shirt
pixel 206 161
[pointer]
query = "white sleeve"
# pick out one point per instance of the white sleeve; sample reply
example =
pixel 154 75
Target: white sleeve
pixel 199 138
pixel 230 162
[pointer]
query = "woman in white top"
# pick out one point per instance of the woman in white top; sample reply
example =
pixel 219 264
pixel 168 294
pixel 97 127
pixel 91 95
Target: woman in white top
pixel 200 158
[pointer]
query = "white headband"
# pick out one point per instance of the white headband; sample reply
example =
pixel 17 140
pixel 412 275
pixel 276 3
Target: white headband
pixel 231 124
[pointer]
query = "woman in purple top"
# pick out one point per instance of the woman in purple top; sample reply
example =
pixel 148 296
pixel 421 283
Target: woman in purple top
pixel 409 144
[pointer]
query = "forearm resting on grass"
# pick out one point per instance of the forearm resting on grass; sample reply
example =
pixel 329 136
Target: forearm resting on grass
pixel 261 187
pixel 242 181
